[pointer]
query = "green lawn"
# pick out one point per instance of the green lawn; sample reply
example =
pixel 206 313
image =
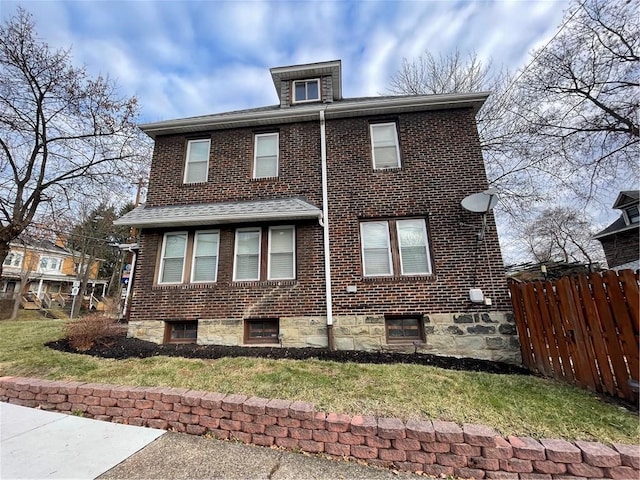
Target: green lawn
pixel 511 404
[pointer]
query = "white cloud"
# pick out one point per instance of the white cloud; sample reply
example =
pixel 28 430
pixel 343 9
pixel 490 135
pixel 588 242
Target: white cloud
pixel 192 58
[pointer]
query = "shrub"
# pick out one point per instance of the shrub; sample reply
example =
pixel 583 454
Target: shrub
pixel 94 328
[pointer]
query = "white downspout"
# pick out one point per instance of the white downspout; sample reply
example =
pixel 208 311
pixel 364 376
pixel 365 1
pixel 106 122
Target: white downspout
pixel 129 283
pixel 324 222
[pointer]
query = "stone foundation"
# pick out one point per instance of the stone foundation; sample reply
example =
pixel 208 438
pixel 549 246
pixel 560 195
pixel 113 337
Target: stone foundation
pixel 488 336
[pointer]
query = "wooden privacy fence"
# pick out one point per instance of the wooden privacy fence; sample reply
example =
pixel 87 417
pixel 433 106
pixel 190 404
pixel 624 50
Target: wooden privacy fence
pixel 581 329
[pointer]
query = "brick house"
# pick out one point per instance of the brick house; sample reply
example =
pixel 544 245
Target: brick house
pixel 621 240
pixel 322 221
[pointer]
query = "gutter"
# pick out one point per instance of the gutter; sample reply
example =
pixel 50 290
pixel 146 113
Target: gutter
pixel 324 222
pixel 340 109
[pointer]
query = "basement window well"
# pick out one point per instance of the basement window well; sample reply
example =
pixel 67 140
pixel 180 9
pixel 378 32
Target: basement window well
pixel 261 331
pixel 181 332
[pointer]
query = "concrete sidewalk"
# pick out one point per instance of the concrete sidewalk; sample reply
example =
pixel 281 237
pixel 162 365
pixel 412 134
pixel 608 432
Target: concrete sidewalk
pixel 39 444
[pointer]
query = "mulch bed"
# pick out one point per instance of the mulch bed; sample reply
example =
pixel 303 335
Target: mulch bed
pixel 121 347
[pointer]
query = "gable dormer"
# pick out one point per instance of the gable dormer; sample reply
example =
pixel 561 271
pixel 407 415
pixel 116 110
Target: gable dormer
pixel 309 83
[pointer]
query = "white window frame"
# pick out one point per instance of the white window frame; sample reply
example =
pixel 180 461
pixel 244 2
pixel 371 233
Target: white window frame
pixel 235 254
pixel 162 258
pixel 13 260
pixel 372 127
pixel 193 257
pixel 426 245
pixel 255 153
pixel 362 249
pixel 293 252
pixel 188 162
pixel 47 268
pixel 306 81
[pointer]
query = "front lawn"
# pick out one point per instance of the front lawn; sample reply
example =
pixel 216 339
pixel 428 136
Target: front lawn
pixel 512 404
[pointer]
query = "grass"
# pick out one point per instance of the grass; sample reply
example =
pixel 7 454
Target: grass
pixel 511 404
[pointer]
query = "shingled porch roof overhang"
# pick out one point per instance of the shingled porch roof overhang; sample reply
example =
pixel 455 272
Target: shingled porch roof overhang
pixel 275 210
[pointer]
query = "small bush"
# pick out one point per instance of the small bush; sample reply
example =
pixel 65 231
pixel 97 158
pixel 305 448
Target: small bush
pixel 94 328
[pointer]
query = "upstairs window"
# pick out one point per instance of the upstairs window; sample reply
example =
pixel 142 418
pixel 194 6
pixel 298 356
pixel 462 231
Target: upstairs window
pixel 265 162
pixel 306 90
pixel 205 256
pixel 174 248
pixel 632 214
pixel 197 163
pixel 384 145
pixel 50 264
pixel 13 260
pixel 395 246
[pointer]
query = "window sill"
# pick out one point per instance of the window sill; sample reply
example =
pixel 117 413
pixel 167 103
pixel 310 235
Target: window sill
pixel 261 283
pixel 402 279
pixel 182 286
pixel 265 179
pixel 195 184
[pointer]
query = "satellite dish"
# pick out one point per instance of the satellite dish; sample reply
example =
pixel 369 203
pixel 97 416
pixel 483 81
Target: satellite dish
pixel 481 202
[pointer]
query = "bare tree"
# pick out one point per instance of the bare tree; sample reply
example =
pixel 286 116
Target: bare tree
pixel 453 73
pixel 562 234
pixel 580 100
pixel 60 130
pixel 444 74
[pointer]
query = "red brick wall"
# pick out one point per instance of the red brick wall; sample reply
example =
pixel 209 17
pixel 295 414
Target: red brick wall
pixel 435 448
pixel 442 164
pixel 230 167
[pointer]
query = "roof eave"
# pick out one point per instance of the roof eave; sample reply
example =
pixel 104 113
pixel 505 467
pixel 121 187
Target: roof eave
pixel 218 220
pixel 600 235
pixel 389 105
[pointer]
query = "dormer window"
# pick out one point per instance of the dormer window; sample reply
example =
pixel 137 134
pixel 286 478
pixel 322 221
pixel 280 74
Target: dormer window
pixel 632 214
pixel 306 90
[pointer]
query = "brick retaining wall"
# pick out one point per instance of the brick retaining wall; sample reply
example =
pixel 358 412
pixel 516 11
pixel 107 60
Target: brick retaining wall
pixel 436 448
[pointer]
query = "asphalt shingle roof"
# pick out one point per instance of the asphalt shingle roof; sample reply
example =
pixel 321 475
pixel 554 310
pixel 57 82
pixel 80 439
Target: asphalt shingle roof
pixel 281 209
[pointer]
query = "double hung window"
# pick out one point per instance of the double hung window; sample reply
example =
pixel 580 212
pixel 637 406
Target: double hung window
pixel 200 247
pixel 205 256
pixel 197 163
pixel 174 249
pixel 278 245
pixel 247 259
pixel 390 246
pixel 384 145
pixel 265 162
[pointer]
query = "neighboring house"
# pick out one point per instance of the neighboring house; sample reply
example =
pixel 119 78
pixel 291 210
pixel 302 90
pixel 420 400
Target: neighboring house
pixel 44 272
pixel 248 213
pixel 621 240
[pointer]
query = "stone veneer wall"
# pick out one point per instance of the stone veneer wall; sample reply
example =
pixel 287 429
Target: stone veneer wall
pixel 435 448
pixel 488 336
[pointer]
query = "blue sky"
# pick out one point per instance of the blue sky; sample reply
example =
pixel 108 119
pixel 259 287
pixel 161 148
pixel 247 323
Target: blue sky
pixel 186 58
